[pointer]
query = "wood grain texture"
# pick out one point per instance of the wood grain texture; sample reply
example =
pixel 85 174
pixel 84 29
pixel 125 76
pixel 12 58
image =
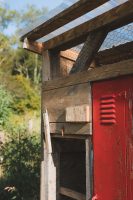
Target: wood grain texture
pixel 78 114
pixel 51 65
pixel 72 194
pixel 35 47
pixel 56 101
pixel 66 16
pixel 66 66
pixel 109 21
pixel 69 54
pixel 47 132
pixel 115 54
pixel 88 51
pixel 89 183
pixel 68 57
pixel 105 72
pixel 65 129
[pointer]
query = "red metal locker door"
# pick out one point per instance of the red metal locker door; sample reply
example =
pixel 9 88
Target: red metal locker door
pixel 113 138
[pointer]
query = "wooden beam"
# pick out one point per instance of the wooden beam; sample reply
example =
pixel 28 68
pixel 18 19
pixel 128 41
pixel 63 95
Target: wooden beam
pixel 65 129
pixel 76 10
pixel 90 48
pixel 72 194
pixel 113 19
pixel 35 47
pixel 115 54
pixel 107 56
pixel 101 73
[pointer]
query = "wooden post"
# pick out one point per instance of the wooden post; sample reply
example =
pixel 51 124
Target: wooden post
pixel 51 65
pixel 50 157
pixel 88 169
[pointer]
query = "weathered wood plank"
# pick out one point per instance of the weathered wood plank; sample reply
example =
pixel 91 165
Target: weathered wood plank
pixel 65 129
pixel 101 73
pixel 56 101
pixel 47 131
pixel 87 53
pixel 66 16
pixel 49 177
pixel 69 136
pixel 78 114
pixel 72 194
pixel 109 21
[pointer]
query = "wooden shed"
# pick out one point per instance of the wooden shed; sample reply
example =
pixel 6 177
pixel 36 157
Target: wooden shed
pixel 81 42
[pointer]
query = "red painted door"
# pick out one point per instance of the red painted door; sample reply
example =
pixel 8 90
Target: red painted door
pixel 113 138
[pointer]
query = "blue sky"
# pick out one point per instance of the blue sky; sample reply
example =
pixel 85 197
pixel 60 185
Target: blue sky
pixel 20 4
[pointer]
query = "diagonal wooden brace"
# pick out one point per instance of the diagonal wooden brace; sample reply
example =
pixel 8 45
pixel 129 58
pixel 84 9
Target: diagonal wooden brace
pixel 89 50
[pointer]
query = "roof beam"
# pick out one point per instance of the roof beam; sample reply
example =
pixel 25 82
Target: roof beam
pixel 108 56
pixel 73 12
pixel 113 19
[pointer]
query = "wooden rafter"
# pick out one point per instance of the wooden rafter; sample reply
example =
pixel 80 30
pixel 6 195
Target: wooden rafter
pixel 113 19
pixel 90 48
pixel 76 10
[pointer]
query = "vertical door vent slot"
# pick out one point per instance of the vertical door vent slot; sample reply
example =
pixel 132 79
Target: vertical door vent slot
pixel 107 109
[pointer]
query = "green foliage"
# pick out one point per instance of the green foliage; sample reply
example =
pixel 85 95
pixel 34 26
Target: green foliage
pixel 21 166
pixel 20 73
pixel 25 97
pixel 27 64
pixel 6 15
pixel 5 105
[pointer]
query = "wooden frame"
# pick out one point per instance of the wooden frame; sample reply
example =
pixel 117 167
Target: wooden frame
pixel 111 20
pixel 76 10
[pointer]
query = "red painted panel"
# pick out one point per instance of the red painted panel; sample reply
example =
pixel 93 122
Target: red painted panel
pixel 113 139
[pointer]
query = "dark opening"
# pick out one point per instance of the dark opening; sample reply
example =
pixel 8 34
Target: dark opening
pixel 72 170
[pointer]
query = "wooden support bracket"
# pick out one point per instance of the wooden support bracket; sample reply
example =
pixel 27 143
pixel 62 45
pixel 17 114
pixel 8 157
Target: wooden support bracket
pixel 90 48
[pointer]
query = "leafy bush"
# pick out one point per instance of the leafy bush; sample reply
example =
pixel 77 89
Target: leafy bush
pixel 25 97
pixel 21 167
pixel 5 105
